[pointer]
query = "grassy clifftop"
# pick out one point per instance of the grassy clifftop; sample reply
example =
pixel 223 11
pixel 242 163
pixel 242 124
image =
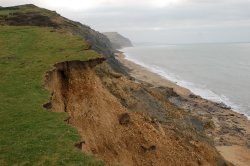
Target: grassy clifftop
pixel 31 15
pixel 29 134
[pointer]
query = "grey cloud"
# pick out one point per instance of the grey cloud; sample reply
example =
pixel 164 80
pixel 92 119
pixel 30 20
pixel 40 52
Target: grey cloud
pixel 190 21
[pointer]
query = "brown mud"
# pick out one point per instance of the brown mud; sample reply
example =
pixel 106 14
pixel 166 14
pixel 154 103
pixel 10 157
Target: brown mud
pixel 123 121
pixel 229 130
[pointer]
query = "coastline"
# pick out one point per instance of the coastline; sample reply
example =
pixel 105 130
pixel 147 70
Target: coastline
pixel 143 74
pixel 230 131
pixel 188 86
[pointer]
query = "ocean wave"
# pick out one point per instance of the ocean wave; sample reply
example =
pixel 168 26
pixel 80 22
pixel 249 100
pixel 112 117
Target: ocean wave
pixel 200 90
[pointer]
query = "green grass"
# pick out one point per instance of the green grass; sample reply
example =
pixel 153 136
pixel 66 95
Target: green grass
pixel 30 135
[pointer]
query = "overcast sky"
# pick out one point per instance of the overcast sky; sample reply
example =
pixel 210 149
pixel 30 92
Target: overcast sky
pixel 161 21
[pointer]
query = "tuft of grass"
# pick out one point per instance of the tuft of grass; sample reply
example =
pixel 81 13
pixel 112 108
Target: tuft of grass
pixel 29 135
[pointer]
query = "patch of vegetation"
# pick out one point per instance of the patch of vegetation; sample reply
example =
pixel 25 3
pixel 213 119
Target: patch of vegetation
pixel 9 11
pixel 29 135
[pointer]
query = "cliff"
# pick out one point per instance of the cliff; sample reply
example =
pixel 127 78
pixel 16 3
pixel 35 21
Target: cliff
pixel 112 112
pixel 117 40
pixel 35 16
pixel 31 15
pixel 90 114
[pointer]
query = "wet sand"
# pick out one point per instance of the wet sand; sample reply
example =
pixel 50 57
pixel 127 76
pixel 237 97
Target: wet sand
pixel 229 130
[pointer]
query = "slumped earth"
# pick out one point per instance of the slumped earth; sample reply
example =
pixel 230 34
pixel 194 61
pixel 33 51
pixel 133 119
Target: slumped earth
pixel 66 100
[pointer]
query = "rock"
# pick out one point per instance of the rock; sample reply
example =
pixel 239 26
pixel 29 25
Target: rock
pixel 193 96
pixel 210 109
pixel 47 105
pixel 239 130
pixel 222 105
pixel 209 125
pixel 150 148
pixel 205 106
pixel 196 123
pixel 124 119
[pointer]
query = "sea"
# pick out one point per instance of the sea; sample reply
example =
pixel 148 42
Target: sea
pixel 217 72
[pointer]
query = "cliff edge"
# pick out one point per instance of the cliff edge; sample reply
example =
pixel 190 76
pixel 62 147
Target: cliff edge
pixel 91 114
pixel 112 112
pixel 31 15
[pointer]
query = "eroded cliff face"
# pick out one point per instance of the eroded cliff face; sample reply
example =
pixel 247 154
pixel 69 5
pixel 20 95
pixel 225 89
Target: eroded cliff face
pixel 99 106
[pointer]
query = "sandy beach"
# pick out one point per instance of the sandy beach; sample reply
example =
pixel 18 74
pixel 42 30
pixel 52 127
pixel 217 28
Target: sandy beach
pixel 230 130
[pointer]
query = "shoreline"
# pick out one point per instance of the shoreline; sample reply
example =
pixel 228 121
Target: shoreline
pixel 178 86
pixel 231 130
pixel 143 74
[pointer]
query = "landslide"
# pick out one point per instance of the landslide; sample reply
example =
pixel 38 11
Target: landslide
pixel 122 121
pixel 119 119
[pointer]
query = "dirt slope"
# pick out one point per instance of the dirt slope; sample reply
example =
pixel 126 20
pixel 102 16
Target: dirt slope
pixel 110 131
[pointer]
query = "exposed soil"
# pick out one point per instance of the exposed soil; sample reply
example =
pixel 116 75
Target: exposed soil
pixel 126 122
pixel 123 120
pixel 229 130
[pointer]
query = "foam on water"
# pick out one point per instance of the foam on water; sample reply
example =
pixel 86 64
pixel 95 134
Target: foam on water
pixel 200 90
